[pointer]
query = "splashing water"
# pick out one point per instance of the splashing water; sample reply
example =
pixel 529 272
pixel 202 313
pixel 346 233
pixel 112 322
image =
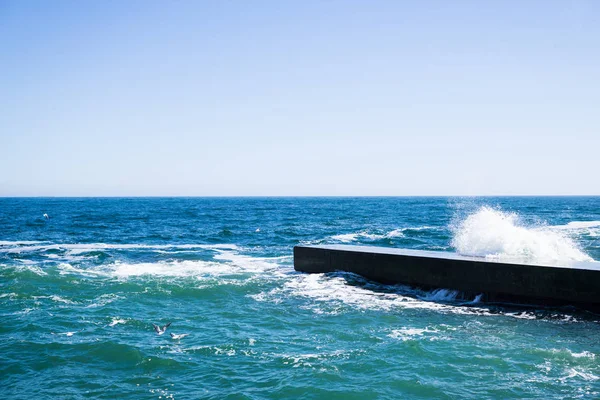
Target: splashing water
pixel 499 235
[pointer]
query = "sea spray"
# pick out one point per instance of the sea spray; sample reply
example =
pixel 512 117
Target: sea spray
pixel 497 234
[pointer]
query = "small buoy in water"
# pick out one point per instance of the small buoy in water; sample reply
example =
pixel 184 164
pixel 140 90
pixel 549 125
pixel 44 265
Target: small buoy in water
pixel 257 230
pixel 46 216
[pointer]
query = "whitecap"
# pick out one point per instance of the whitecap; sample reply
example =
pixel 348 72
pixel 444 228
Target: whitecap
pixel 346 237
pixel 225 263
pixel 103 300
pixel 578 373
pixel 405 333
pixel 78 248
pixel 577 225
pixel 370 236
pixel 67 269
pixel 583 354
pixel 55 298
pixel 352 237
pixel 30 267
pixel 18 242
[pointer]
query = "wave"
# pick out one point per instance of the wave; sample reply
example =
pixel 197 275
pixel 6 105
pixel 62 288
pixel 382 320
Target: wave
pixel 341 292
pixel 409 333
pixel 352 237
pixel 75 248
pixel 499 235
pixel 577 228
pixel 574 225
pixel 56 298
pixel 331 293
pixel 80 252
pixel 18 242
pixel 366 235
pixel 224 263
pixel 24 268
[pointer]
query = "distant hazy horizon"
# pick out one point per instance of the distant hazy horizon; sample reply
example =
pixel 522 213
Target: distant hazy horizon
pixel 481 197
pixel 336 98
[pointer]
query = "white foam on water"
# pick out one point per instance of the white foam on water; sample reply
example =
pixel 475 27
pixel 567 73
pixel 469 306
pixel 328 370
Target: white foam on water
pixel 327 290
pixel 18 249
pixel 405 334
pixel 313 360
pixel 324 288
pixel 28 267
pixel 395 233
pixel 68 269
pixel 497 235
pixel 178 251
pixel 59 299
pixel 56 299
pixel 167 269
pixel 64 333
pixel 366 235
pixel 577 225
pixel 583 354
pixel 567 352
pixel 420 228
pixel 346 237
pixel 523 315
pixel 78 248
pixel 72 254
pixel 227 352
pixel 224 263
pixel 332 293
pixel 253 264
pixel 577 373
pixel 579 228
pixel 103 300
pixel 18 242
pixel 352 237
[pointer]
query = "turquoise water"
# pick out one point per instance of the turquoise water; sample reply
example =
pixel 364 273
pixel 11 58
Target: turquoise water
pixel 79 293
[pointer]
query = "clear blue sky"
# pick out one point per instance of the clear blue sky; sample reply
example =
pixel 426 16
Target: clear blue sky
pixel 299 97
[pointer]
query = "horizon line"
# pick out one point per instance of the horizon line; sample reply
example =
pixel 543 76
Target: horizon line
pixel 287 196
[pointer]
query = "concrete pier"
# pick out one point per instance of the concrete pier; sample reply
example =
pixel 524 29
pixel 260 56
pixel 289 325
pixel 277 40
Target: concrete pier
pixel 577 284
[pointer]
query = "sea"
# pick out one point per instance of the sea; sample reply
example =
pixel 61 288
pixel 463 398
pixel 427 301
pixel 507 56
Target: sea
pixel 83 280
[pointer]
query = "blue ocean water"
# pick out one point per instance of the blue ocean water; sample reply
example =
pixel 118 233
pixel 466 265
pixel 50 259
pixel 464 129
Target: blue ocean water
pixel 80 290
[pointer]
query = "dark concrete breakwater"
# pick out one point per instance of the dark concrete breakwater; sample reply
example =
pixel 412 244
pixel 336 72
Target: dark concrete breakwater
pixel 577 284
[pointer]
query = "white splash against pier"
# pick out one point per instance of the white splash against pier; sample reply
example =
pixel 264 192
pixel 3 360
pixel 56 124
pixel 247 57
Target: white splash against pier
pixel 500 235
